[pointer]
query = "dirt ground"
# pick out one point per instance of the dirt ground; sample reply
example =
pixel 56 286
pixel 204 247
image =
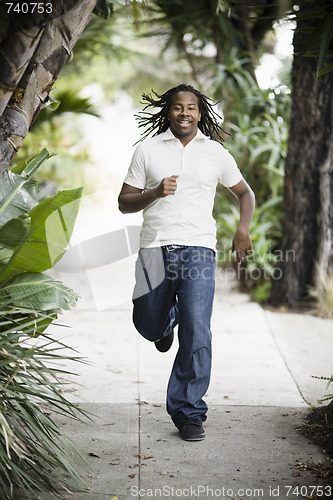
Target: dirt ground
pixel 319 428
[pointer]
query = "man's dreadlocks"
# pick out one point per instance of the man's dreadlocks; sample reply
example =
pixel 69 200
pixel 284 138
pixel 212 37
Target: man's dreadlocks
pixel 157 123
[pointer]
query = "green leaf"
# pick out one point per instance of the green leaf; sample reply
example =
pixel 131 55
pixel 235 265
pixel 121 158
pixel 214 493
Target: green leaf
pixel 34 453
pixel 17 196
pixel 52 223
pixel 326 39
pixel 32 166
pixel 36 292
pixel 257 152
pixel 14 232
pixel 327 69
pixel 68 101
pixel 17 193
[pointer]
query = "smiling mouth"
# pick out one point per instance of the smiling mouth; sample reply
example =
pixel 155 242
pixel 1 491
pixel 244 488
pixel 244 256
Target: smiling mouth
pixel 184 122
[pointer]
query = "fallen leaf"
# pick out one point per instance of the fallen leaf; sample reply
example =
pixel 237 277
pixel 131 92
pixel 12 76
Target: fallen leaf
pixel 93 455
pixel 145 457
pixel 131 476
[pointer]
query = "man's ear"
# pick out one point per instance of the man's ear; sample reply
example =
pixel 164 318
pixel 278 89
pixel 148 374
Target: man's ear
pixel 199 117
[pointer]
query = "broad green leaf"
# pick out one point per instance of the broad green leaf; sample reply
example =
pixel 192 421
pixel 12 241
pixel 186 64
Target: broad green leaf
pixel 17 193
pixel 33 165
pixel 52 223
pixel 17 196
pixel 14 232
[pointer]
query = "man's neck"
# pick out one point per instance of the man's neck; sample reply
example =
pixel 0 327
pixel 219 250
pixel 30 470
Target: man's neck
pixel 184 139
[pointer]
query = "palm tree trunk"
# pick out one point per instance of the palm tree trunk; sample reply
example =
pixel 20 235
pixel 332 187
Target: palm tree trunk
pixel 13 61
pixel 307 239
pixel 37 64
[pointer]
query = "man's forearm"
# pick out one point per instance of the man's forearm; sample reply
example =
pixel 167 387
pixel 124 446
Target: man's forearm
pixel 246 207
pixel 134 202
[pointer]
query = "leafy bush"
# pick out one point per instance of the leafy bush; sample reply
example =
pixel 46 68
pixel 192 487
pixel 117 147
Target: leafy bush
pixel 258 270
pixel 257 120
pixel 33 237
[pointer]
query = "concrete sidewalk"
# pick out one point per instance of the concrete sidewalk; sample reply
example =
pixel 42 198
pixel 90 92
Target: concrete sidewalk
pixel 261 389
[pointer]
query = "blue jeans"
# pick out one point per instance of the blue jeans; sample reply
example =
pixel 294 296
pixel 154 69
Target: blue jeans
pixel 175 285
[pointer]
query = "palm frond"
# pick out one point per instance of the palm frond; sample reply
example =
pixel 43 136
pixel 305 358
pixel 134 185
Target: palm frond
pixel 64 101
pixel 31 444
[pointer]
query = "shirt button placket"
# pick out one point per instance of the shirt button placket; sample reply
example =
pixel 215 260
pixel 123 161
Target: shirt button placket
pixel 184 159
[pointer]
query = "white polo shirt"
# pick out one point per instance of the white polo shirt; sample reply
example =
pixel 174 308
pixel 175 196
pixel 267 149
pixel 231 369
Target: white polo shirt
pixel 184 218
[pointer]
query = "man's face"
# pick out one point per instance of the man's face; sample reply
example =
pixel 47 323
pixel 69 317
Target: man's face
pixel 184 116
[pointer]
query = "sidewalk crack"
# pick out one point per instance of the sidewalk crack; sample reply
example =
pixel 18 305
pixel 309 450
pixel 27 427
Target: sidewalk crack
pixel 271 331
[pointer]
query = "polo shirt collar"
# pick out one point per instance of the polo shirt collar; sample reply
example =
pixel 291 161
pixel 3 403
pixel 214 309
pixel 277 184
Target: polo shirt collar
pixel 168 135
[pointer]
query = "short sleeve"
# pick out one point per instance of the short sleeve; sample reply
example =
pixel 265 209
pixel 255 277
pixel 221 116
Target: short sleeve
pixel 136 175
pixel 230 174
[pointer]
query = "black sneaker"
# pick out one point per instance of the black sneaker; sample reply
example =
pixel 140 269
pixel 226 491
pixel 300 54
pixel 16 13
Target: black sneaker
pixel 192 430
pixel 164 344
